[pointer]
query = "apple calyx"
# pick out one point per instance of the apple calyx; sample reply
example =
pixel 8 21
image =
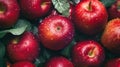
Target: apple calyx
pixel 2 8
pixel 58 28
pixel 16 40
pixel 91 53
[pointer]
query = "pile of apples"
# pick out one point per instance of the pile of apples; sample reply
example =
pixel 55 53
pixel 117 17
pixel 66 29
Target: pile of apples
pixel 83 37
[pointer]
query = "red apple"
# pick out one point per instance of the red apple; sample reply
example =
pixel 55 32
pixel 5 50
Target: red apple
pixel 114 10
pixel 34 9
pixel 90 16
pixel 113 63
pixel 87 53
pixel 9 13
pixel 59 62
pixel 56 32
pixel 23 48
pixel 111 36
pixel 23 64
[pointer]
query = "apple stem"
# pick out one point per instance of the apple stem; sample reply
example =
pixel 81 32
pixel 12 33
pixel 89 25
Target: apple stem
pixel 89 6
pixel 91 52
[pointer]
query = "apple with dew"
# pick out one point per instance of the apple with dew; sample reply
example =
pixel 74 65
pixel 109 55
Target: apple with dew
pixel 90 17
pixel 56 32
pixel 88 53
pixel 23 48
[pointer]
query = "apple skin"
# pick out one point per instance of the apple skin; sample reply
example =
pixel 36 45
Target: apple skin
pixel 110 37
pixel 90 17
pixel 59 62
pixel 114 11
pixel 9 13
pixel 34 9
pixel 88 53
pixel 56 32
pixel 113 63
pixel 23 48
pixel 23 64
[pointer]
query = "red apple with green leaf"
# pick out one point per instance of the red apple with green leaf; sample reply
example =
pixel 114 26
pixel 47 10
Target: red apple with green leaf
pixel 59 62
pixel 90 17
pixel 56 32
pixel 23 48
pixel 9 13
pixel 23 64
pixel 34 9
pixel 88 53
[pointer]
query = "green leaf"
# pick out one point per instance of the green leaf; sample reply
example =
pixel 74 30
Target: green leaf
pixel 108 3
pixel 2 62
pixel 62 6
pixel 18 29
pixel 22 22
pixel 2 50
pixel 67 51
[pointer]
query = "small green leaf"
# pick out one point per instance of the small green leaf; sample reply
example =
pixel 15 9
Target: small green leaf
pixel 108 3
pixel 62 6
pixel 18 29
pixel 22 23
pixel 67 51
pixel 2 50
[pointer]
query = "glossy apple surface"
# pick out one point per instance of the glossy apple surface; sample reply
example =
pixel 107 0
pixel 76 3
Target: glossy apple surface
pixel 90 17
pixel 56 32
pixel 87 54
pixel 9 13
pixel 23 48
